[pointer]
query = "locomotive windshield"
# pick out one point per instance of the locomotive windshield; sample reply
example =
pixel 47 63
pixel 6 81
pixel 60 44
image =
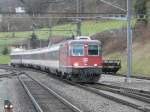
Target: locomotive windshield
pixel 77 50
pixel 93 50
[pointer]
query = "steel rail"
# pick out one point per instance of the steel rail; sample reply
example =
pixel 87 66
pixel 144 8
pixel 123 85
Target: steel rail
pixel 5 67
pixel 64 101
pixel 36 105
pixel 110 97
pixel 133 93
pixel 136 91
pixel 116 99
pixel 100 92
pixel 133 76
pixel 7 75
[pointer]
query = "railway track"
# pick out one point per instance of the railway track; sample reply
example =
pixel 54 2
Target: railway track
pixel 8 74
pixel 8 71
pixel 133 76
pixel 43 98
pixel 128 90
pixel 137 99
pixel 7 67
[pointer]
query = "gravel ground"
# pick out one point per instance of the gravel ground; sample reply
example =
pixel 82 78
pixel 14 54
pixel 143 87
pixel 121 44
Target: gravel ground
pixel 2 71
pixel 120 81
pixel 82 98
pixel 12 90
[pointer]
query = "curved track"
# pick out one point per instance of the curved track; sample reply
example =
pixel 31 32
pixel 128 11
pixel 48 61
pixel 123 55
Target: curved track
pixel 133 76
pixel 142 93
pixel 43 98
pixel 137 99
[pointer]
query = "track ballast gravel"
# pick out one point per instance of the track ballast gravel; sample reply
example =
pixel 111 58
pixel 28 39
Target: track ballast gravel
pixel 87 100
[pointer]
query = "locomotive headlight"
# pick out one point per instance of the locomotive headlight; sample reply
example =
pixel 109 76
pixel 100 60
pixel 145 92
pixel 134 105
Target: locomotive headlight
pixel 6 106
pixel 95 64
pixel 11 106
pixel 85 45
pixel 76 64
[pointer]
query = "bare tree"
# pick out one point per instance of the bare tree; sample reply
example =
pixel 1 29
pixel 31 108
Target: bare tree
pixel 35 6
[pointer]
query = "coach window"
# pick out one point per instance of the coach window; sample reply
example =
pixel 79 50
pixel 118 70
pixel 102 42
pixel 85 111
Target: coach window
pixel 93 50
pixel 77 50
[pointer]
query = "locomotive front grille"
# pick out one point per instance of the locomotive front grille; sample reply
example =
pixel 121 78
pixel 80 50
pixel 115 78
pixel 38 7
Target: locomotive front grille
pixel 87 71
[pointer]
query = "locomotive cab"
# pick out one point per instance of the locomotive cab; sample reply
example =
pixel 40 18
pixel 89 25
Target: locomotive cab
pixel 84 60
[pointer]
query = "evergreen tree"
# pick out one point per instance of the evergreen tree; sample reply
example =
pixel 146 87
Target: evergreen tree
pixel 5 51
pixel 34 42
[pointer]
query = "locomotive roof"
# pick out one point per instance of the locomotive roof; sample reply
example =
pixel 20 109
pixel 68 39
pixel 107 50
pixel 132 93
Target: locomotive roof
pixel 84 41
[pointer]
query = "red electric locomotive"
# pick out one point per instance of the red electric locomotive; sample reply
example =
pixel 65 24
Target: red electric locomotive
pixel 81 60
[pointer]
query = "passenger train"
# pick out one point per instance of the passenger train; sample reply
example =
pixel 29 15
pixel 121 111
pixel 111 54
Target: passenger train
pixel 79 60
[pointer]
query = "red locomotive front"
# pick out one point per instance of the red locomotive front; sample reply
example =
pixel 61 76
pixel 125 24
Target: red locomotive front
pixel 81 60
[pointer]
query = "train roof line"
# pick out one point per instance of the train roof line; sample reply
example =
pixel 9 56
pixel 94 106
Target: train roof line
pixel 38 50
pixel 53 47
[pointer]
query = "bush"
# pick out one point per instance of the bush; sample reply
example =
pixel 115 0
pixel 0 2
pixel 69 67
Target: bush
pixel 141 10
pixel 5 51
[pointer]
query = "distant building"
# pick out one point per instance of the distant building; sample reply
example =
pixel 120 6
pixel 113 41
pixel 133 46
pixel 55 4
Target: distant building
pixel 20 10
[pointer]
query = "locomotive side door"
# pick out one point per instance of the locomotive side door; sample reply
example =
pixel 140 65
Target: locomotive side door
pixel 61 58
pixel 60 55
